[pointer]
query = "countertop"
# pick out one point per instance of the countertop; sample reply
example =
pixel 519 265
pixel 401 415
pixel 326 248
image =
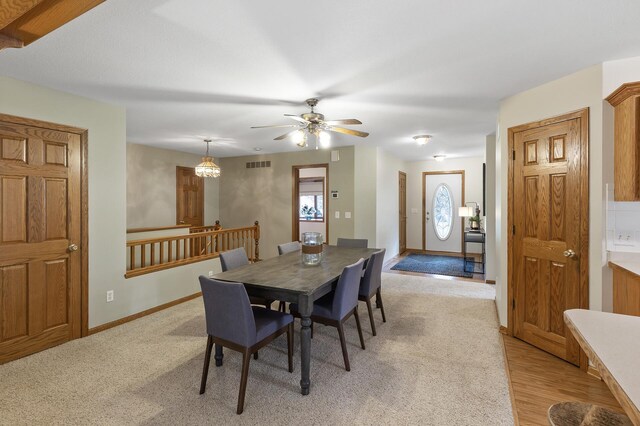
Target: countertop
pixel 612 342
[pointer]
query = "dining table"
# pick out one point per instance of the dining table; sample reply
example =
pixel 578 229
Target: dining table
pixel 287 278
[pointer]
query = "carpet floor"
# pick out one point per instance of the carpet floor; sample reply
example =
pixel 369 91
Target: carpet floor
pixel 439 265
pixel 436 361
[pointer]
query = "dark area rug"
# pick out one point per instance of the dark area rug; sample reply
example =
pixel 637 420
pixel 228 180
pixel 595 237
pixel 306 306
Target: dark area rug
pixel 440 265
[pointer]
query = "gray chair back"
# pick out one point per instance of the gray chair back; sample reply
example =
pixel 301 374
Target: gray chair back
pixel 228 311
pixel 233 259
pixel 372 278
pixel 346 294
pixel 353 242
pixel 289 247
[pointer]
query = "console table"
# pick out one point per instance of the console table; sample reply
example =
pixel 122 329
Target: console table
pixel 474 236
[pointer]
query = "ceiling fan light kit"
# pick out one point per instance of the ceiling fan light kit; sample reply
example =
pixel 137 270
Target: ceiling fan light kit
pixel 207 168
pixel 313 123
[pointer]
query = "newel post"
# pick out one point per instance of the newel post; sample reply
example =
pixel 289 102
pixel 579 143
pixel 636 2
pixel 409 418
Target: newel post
pixel 257 240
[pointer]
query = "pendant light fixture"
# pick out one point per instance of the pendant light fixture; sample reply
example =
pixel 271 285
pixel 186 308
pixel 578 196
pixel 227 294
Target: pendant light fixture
pixel 207 168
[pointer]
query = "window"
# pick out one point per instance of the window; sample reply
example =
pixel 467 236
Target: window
pixel 442 212
pixel 311 207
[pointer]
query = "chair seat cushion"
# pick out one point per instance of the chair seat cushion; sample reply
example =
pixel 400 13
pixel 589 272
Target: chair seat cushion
pixel 321 307
pixel 268 321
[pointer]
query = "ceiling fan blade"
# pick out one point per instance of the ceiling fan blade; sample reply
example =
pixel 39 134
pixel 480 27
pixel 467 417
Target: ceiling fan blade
pixel 296 117
pixel 343 121
pixel 275 125
pixel 348 131
pixel 286 135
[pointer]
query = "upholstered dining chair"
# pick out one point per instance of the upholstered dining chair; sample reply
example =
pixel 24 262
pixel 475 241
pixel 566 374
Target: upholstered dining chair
pixel 289 247
pixel 232 259
pixel 336 307
pixel 370 284
pixel 353 242
pixel 233 323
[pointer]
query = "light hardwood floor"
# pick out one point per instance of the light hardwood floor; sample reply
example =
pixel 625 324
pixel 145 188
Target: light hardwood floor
pixel 539 380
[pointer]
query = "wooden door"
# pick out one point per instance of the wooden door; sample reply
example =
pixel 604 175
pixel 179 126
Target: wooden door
pixel 402 211
pixel 189 197
pixel 442 195
pixel 40 218
pixel 549 214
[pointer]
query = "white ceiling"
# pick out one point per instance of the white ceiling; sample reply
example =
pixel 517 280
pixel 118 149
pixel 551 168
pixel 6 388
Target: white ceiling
pixel 186 69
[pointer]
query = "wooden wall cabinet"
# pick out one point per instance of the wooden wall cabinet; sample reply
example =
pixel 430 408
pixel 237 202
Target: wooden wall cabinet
pixel 626 291
pixel 626 101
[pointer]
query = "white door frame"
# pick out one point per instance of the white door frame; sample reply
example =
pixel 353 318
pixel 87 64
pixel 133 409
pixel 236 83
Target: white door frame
pixel 424 204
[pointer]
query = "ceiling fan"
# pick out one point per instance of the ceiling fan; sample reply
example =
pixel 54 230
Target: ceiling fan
pixel 315 124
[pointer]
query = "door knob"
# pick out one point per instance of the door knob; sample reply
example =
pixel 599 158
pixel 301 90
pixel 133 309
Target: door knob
pixel 569 253
pixel 73 247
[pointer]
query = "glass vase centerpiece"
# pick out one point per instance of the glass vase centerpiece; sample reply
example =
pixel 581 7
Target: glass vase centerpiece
pixel 311 248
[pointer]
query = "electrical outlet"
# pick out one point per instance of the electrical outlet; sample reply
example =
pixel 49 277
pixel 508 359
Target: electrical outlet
pixel 110 296
pixel 337 214
pixel 210 274
pixel 623 238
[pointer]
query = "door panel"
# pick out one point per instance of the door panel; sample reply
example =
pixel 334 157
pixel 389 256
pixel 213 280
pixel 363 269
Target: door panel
pixel 454 183
pixel 40 215
pixel 547 223
pixel 189 197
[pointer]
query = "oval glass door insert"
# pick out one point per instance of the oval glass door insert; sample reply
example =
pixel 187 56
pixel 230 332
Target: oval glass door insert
pixel 442 211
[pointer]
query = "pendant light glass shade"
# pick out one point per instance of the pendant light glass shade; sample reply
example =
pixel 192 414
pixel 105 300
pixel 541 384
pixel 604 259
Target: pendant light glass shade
pixel 208 168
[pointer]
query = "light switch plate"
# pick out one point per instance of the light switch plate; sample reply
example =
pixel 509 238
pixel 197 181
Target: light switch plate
pixel 337 215
pixel 347 215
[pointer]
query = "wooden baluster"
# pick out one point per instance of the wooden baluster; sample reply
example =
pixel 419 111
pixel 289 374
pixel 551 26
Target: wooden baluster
pixel 257 239
pixel 185 246
pixel 161 252
pixel 132 258
pixel 153 254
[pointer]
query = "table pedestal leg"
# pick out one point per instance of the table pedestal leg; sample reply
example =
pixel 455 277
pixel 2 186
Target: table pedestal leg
pixel 218 356
pixel 305 353
pixel 305 307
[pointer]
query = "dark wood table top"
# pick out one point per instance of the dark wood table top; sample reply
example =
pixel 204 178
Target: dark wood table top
pixel 287 273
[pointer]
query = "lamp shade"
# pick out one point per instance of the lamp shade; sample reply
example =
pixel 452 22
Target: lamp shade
pixel 465 211
pixel 207 168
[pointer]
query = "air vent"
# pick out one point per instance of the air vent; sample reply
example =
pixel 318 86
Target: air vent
pixel 258 164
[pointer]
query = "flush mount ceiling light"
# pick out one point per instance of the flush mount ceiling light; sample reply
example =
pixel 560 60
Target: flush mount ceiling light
pixel 207 168
pixel 422 139
pixel 439 157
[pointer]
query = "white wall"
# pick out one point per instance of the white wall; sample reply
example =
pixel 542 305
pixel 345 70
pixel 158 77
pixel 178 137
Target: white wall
pixel 472 167
pixel 151 186
pixel 570 93
pixel 365 182
pixel 387 203
pixel 490 208
pixel 107 201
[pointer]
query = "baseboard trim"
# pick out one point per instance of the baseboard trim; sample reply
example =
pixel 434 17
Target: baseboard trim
pixel 490 281
pixel 150 311
pixel 593 372
pixel 504 330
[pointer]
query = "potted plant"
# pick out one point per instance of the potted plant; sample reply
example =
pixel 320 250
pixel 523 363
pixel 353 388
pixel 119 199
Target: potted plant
pixel 307 212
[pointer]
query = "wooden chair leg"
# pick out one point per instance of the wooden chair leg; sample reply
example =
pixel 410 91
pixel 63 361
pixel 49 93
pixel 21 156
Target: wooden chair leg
pixel 343 343
pixel 246 358
pixel 379 301
pixel 373 324
pixel 205 369
pixel 355 314
pixel 290 346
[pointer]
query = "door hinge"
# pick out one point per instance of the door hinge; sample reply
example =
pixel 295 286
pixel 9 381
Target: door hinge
pixel 514 156
pixel 513 230
pixel 513 303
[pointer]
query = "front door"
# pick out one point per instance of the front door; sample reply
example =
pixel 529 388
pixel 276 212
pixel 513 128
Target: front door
pixel 402 211
pixel 40 257
pixel 442 227
pixel 549 212
pixel 189 197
